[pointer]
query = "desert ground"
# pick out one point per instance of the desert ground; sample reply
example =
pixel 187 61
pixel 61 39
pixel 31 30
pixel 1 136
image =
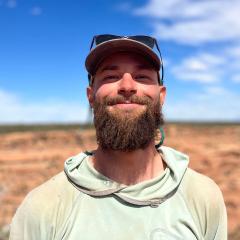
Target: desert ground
pixel 29 158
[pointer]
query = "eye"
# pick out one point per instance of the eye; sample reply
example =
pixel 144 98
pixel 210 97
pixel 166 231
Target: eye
pixel 111 77
pixel 142 77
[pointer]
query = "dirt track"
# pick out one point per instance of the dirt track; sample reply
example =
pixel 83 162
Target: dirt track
pixel 28 159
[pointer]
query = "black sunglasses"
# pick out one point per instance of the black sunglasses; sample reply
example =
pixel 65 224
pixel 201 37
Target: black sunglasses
pixel 146 40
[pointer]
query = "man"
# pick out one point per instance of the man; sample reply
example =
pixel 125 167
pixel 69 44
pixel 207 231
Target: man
pixel 129 187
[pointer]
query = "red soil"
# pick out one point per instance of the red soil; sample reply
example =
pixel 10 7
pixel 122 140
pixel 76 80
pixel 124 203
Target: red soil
pixel 28 159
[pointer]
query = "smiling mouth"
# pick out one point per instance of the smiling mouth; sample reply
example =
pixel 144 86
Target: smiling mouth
pixel 127 105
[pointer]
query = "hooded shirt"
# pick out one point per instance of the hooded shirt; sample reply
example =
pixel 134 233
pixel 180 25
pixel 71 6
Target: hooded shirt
pixel 81 203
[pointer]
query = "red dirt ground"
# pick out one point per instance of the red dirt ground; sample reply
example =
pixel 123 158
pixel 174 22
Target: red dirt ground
pixel 30 158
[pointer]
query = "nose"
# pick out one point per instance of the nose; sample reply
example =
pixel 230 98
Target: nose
pixel 127 85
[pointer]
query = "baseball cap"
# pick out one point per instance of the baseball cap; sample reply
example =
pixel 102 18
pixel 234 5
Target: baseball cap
pixel 107 44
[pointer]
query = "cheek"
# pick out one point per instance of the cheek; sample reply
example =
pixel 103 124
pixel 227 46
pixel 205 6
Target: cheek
pixel 104 91
pixel 152 91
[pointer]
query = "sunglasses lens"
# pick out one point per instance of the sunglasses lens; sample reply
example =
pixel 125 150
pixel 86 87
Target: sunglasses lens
pixel 105 37
pixel 149 41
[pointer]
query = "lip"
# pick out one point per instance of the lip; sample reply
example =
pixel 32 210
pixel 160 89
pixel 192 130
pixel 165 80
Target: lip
pixel 126 102
pixel 127 105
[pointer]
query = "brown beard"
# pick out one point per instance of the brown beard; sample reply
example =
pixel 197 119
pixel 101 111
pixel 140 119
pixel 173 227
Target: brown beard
pixel 126 131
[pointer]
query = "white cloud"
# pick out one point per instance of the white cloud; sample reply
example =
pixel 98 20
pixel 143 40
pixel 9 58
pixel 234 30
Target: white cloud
pixel 14 110
pixel 194 22
pixel 36 11
pixel 7 98
pixel 204 68
pixel 212 104
pixel 236 78
pixel 217 90
pixel 11 3
pixel 233 51
pixel 178 9
pixel 232 54
pixel 198 23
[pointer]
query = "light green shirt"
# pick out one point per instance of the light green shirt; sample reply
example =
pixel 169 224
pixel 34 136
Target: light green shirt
pixel 82 204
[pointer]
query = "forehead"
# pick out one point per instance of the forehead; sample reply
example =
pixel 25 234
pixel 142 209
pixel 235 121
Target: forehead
pixel 126 58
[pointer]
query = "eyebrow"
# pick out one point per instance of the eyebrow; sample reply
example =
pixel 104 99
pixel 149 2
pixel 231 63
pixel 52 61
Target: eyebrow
pixel 138 67
pixel 109 67
pixel 144 67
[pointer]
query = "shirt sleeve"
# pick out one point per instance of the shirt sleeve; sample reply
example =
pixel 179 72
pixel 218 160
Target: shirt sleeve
pixel 217 218
pixel 43 212
pixel 206 205
pixel 28 222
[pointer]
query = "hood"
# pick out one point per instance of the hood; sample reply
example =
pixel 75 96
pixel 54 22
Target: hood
pixel 152 192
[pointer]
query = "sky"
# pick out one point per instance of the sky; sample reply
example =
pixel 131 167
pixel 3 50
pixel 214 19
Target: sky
pixel 43 46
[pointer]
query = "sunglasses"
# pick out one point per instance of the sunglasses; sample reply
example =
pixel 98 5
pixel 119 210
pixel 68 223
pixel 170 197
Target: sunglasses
pixel 146 40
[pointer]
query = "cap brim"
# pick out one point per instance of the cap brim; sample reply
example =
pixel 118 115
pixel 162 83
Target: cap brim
pixel 101 51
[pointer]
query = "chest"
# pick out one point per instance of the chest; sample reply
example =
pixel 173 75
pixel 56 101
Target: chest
pixel 108 218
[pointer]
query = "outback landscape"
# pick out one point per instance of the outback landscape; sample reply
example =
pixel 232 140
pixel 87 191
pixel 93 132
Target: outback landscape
pixel 31 155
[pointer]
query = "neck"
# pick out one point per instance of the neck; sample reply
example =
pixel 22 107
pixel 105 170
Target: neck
pixel 128 167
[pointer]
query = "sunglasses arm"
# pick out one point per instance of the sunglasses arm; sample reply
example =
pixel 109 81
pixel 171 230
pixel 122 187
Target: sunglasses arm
pixel 92 42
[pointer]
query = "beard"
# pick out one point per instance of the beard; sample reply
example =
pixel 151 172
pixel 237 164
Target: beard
pixel 126 130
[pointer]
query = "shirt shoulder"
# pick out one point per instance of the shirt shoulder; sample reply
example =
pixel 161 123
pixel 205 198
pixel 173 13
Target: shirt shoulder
pixel 44 209
pixel 54 191
pixel 204 188
pixel 205 203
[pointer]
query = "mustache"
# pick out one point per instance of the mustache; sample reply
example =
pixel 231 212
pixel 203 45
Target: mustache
pixel 144 100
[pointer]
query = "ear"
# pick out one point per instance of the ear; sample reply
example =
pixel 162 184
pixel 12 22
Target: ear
pixel 90 95
pixel 162 94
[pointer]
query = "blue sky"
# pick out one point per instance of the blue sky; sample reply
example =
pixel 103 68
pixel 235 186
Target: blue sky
pixel 43 46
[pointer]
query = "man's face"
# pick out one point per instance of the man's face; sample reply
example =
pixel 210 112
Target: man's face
pixel 126 99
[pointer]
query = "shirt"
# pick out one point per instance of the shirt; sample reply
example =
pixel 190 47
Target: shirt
pixel 81 203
